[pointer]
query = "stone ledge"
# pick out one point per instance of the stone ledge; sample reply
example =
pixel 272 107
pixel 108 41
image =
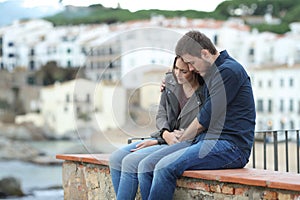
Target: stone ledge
pixel 245 176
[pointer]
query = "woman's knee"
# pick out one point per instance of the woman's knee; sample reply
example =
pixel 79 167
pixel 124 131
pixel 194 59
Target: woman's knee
pixel 118 155
pixel 131 162
pixel 115 160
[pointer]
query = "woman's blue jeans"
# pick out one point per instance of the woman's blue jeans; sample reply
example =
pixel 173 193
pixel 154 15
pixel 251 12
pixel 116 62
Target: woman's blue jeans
pixel 158 172
pixel 123 168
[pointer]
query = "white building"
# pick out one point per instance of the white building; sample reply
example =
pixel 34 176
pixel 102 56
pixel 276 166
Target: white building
pixel 31 44
pixel 70 106
pixel 18 41
pixel 276 93
pixel 150 89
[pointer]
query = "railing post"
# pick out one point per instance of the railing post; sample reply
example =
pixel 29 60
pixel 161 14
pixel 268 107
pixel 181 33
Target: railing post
pixel 288 154
pixel 298 157
pixel 286 150
pixel 253 154
pixel 275 151
pixel 265 150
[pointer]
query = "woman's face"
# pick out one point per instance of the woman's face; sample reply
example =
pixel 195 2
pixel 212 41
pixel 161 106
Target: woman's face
pixel 182 72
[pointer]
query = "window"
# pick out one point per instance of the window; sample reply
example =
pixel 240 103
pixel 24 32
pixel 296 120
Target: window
pixel 32 52
pixel 69 63
pixel 216 40
pixel 281 83
pixel 251 54
pixel 67 98
pixel 88 98
pixel 291 105
pixel 270 83
pixel 281 106
pixel 291 82
pixel 10 44
pixel 270 105
pixel 32 65
pixel 69 50
pixel 260 107
pixel 30 80
pixel 11 55
pixel 292 124
pixel 251 51
pixel 260 84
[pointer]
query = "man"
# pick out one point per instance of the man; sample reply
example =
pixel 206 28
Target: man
pixel 220 137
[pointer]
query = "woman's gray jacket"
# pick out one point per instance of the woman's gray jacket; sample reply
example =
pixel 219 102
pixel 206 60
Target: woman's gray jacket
pixel 169 116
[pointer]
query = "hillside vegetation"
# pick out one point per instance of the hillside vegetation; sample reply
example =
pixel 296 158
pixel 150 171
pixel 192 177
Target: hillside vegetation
pixel 286 10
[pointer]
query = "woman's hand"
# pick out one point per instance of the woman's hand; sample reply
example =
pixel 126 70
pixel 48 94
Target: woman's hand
pixel 144 144
pixel 170 137
pixel 178 133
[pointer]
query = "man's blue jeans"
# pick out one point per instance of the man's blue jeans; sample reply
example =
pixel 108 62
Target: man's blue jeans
pixel 158 172
pixel 123 168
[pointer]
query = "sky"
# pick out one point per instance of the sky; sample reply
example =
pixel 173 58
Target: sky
pixel 132 5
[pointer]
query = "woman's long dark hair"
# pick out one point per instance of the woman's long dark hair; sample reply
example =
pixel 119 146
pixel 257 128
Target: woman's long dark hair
pixel 197 76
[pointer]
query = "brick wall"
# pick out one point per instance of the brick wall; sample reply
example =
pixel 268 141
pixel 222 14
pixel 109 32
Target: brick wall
pixel 85 181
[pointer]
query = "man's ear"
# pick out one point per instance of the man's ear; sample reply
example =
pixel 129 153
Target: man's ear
pixel 205 54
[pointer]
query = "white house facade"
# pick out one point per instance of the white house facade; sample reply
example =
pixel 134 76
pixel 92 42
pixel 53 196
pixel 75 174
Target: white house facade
pixel 80 103
pixel 276 92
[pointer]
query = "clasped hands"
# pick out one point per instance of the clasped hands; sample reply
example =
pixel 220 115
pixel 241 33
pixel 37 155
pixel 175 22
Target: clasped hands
pixel 169 137
pixel 172 137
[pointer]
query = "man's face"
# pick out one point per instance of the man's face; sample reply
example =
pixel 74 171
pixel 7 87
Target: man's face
pixel 196 64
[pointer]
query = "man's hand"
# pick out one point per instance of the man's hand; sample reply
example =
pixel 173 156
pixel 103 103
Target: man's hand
pixel 170 137
pixel 145 144
pixel 192 131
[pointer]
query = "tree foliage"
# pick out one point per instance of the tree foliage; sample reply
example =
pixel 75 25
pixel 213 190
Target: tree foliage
pixel 50 73
pixel 286 10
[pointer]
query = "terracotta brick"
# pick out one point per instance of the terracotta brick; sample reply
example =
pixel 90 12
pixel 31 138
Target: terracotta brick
pixel 227 189
pixel 199 186
pixel 193 185
pixel 282 196
pixel 270 195
pixel 215 188
pixel 241 191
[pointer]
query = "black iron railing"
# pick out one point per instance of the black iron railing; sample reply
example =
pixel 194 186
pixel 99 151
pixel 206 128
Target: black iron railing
pixel 280 148
pixel 276 150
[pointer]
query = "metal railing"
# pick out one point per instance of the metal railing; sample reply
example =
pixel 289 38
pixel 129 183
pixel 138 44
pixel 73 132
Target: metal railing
pixel 271 144
pixel 280 148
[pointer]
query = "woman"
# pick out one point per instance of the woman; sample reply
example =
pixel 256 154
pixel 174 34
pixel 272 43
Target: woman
pixel 179 104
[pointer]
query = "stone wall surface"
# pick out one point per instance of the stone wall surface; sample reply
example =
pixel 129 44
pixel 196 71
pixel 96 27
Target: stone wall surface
pixel 84 181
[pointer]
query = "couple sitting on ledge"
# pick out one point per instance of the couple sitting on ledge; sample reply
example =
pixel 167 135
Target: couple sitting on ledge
pixel 206 120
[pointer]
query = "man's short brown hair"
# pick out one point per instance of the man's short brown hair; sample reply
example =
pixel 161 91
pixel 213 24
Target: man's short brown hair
pixel 193 42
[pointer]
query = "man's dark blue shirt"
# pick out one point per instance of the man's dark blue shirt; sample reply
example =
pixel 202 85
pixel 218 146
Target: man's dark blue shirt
pixel 229 111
